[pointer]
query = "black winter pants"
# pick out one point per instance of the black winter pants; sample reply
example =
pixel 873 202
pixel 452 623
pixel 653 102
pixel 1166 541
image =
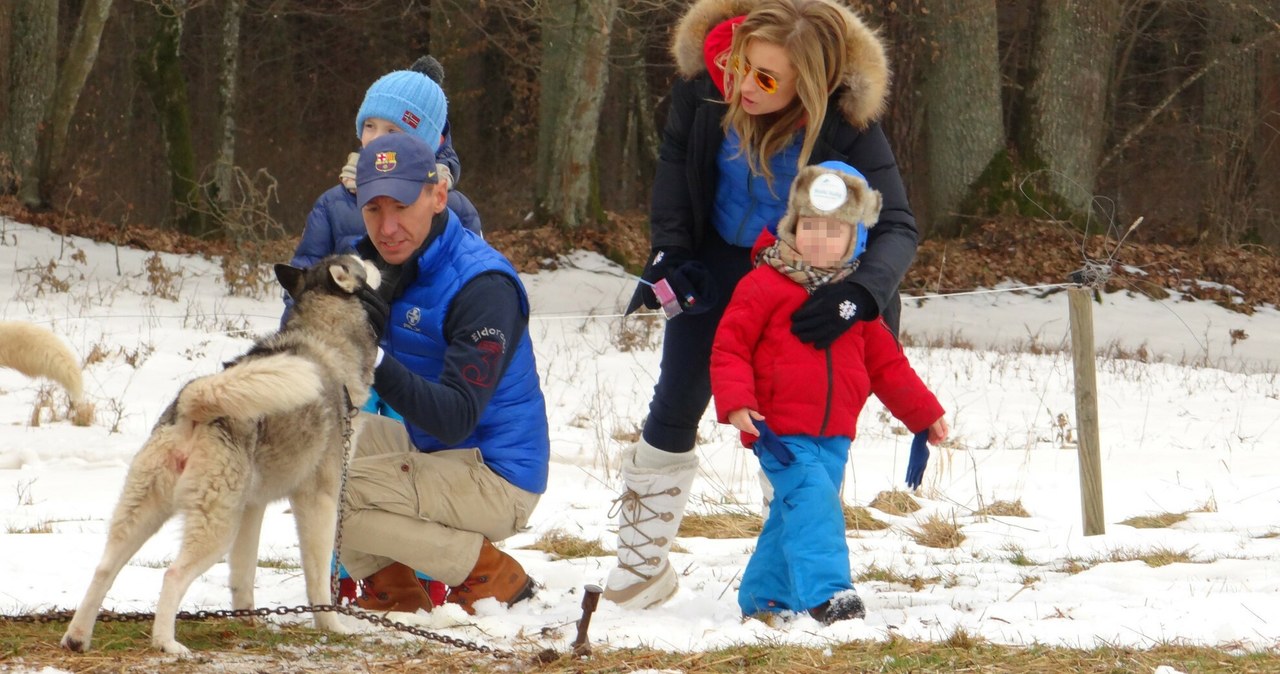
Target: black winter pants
pixel 684 383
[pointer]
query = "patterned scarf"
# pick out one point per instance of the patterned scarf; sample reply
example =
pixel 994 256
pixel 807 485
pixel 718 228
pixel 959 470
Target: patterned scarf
pixel 786 259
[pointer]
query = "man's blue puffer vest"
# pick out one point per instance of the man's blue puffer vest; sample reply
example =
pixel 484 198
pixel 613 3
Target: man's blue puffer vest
pixel 744 203
pixel 512 433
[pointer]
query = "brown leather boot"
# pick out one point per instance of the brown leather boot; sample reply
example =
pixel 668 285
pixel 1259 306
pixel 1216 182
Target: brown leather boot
pixel 394 588
pixel 496 575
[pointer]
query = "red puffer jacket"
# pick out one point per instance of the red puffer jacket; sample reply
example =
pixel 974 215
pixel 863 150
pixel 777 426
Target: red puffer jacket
pixel 757 363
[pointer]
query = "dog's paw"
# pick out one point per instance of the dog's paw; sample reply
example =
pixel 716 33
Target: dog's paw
pixel 329 622
pixel 73 640
pixel 172 647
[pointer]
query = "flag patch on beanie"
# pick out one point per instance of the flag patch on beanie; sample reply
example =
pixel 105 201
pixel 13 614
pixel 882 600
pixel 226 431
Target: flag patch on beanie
pixel 385 161
pixel 411 119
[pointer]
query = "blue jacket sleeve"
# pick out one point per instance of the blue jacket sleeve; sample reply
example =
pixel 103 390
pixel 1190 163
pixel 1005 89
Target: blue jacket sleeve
pixel 891 244
pixel 466 211
pixel 485 322
pixel 448 156
pixel 317 236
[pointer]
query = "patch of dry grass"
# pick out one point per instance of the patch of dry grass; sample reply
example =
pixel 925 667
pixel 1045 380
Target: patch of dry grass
pixel 895 502
pixel 876 573
pixel 561 544
pixel 235 646
pixel 937 531
pixel 1004 509
pixel 861 519
pixel 1158 521
pixel 721 525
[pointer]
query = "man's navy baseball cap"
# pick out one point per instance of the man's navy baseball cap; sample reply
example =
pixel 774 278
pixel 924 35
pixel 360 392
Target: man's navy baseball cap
pixel 394 165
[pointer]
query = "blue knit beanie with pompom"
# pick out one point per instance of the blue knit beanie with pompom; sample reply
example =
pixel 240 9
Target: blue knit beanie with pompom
pixel 410 100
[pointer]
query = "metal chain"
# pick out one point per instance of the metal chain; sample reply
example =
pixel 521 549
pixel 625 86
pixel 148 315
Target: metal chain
pixel 347 431
pixel 64 615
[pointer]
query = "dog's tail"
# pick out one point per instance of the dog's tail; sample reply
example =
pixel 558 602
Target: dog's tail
pixel 37 352
pixel 251 389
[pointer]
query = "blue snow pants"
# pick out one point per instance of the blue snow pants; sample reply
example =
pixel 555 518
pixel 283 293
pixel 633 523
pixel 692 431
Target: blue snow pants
pixel 801 558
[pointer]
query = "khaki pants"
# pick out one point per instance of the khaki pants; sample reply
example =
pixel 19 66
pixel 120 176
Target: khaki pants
pixel 427 511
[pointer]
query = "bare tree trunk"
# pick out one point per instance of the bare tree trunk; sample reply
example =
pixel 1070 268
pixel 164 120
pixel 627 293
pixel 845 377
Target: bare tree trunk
pixel 575 38
pixel 964 128
pixel 160 68
pixel 32 72
pixel 1073 61
pixel 228 72
pixel 1229 124
pixel 74 72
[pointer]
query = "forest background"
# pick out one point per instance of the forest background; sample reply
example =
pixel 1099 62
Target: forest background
pixel 225 119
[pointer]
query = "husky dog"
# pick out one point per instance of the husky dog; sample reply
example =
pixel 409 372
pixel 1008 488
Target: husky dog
pixel 37 352
pixel 270 425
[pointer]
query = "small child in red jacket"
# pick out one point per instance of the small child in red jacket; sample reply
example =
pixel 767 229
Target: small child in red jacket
pixel 797 406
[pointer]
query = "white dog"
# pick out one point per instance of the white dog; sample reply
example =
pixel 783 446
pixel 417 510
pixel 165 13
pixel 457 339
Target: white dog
pixel 269 426
pixel 37 352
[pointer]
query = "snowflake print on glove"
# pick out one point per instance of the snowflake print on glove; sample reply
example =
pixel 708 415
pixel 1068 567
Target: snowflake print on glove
pixel 848 309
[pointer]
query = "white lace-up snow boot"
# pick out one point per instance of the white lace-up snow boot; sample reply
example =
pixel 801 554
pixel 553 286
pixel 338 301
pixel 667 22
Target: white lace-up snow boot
pixel 649 514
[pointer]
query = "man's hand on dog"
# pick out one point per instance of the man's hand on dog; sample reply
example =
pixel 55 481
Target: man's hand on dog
pixel 376 310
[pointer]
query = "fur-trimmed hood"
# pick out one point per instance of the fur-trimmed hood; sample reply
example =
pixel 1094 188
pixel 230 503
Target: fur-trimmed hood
pixel 864 95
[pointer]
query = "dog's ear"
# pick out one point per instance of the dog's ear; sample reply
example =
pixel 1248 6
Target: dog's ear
pixel 291 278
pixel 344 276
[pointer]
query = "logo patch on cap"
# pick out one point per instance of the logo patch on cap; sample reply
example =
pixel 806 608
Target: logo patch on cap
pixel 828 192
pixel 385 161
pixel 411 119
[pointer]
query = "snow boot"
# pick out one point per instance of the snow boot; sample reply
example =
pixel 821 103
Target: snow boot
pixel 497 575
pixel 394 588
pixel 845 605
pixel 649 514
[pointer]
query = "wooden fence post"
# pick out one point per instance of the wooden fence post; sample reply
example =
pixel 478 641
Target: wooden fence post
pixel 1082 354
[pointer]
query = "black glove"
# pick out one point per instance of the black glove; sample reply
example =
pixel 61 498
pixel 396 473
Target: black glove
pixel 376 310
pixel 830 311
pixel 694 287
pixel 770 442
pixel 662 263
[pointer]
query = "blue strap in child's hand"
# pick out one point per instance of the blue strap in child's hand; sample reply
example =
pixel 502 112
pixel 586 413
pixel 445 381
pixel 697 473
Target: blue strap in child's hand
pixel 919 459
pixel 770 442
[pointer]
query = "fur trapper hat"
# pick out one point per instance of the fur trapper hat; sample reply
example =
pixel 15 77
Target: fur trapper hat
pixel 834 190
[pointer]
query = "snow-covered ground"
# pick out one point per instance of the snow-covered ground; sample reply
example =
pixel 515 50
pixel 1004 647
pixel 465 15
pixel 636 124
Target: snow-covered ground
pixel 1175 437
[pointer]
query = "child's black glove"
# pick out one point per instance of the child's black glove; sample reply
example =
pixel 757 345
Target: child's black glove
pixel 830 311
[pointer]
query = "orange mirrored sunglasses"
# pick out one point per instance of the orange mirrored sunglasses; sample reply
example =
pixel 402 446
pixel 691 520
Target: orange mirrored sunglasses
pixel 767 83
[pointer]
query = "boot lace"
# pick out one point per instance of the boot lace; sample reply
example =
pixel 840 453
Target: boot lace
pixel 636 512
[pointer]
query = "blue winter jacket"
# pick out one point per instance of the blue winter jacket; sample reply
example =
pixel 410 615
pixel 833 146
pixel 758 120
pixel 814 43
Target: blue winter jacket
pixel 746 203
pixel 512 432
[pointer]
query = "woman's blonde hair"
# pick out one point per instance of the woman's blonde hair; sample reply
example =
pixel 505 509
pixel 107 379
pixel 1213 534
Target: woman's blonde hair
pixel 813 33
